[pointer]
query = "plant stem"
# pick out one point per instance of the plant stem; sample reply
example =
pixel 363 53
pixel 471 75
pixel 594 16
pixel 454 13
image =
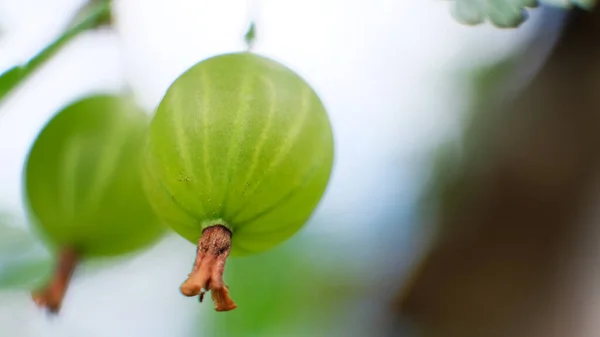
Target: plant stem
pixel 95 14
pixel 51 296
pixel 213 249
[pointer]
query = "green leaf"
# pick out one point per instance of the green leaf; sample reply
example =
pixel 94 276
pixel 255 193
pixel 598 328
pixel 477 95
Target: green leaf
pixel 94 14
pixel 506 13
pixel 24 262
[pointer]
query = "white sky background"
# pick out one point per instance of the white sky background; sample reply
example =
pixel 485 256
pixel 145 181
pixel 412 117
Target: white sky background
pixel 384 69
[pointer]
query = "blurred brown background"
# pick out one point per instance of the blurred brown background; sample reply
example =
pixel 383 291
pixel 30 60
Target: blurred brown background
pixel 516 252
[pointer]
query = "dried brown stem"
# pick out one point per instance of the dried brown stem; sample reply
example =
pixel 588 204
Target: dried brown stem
pixel 213 249
pixel 52 295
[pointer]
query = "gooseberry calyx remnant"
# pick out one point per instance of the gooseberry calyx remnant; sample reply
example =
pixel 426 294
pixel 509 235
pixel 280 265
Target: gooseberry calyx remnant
pixel 213 249
pixel 52 295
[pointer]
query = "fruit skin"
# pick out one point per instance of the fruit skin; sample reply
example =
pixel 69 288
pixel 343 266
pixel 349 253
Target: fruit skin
pixel 83 183
pixel 243 141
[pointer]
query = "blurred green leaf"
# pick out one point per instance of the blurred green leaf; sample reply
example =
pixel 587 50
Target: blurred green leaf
pixel 281 293
pixel 94 14
pixel 506 13
pixel 24 262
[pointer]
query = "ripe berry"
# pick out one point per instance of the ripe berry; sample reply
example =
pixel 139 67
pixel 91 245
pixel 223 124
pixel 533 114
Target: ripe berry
pixel 83 187
pixel 239 155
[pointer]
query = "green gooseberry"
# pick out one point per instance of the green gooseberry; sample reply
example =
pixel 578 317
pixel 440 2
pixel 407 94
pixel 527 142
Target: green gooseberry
pixel 239 154
pixel 84 190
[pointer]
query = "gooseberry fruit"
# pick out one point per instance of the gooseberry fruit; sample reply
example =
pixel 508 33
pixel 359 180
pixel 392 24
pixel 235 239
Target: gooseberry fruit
pixel 240 147
pixel 84 190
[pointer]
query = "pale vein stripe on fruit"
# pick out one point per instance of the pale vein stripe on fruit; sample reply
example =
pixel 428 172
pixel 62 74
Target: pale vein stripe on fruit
pixel 204 114
pixel 69 175
pixel 107 164
pixel 283 151
pixel 179 131
pixel 234 143
pixel 310 174
pixel 264 134
pixel 294 133
pixel 286 197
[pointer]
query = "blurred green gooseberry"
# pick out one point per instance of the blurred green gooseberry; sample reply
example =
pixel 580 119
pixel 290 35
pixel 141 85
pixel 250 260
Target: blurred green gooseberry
pixel 239 154
pixel 84 190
